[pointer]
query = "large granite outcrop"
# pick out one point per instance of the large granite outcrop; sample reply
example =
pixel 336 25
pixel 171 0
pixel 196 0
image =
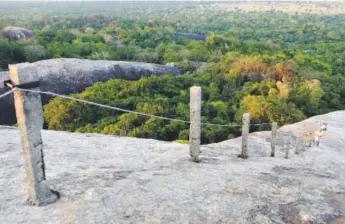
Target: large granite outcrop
pixel 16 33
pixel 109 179
pixel 64 76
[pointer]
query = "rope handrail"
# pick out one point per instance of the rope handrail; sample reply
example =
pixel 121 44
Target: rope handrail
pixel 120 109
pixel 7 93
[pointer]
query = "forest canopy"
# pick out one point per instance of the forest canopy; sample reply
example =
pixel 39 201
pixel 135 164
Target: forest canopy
pixel 277 66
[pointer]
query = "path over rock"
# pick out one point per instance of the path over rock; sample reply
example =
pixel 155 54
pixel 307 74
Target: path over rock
pixel 109 179
pixel 66 76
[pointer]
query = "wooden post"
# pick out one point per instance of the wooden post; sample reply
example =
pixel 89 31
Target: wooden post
pixel 195 124
pixel 274 138
pixel 245 132
pixel 30 122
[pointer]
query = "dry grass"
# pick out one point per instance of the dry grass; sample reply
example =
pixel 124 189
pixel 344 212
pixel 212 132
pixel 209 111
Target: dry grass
pixel 330 7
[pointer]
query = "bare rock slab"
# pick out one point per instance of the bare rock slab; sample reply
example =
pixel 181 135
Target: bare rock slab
pixel 110 179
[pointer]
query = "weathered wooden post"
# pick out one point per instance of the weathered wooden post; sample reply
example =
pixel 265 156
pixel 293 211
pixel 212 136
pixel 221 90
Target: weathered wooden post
pixel 274 138
pixel 195 124
pixel 30 122
pixel 245 132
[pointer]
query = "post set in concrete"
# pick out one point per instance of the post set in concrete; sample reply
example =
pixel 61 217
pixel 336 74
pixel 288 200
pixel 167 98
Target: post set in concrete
pixel 274 138
pixel 310 138
pixel 245 132
pixel 288 144
pixel 30 122
pixel 195 123
pixel 297 143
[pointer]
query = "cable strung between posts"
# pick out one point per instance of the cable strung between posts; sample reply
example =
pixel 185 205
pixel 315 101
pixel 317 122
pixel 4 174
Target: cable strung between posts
pixel 125 110
pixel 7 93
pixel 100 105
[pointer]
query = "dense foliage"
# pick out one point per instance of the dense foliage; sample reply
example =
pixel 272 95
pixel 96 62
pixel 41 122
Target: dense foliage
pixel 277 66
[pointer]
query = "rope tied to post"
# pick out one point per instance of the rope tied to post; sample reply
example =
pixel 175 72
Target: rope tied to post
pixel 29 87
pixel 126 110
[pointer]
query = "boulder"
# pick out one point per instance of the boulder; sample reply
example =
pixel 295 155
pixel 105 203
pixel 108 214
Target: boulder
pixel 16 33
pixel 65 76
